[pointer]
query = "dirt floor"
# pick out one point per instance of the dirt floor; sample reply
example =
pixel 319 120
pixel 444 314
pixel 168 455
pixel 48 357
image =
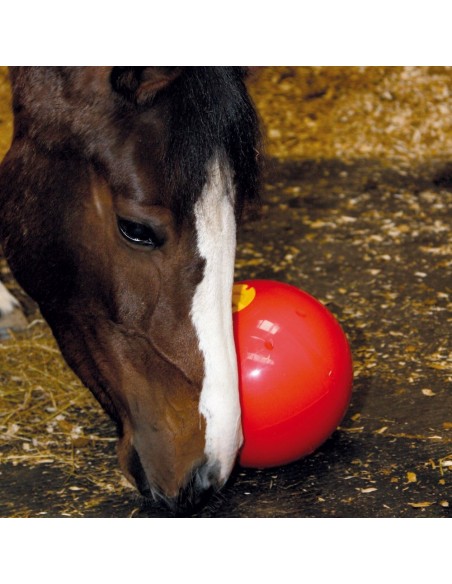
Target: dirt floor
pixel 357 211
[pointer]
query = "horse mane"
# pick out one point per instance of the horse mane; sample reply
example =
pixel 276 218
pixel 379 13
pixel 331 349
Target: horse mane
pixel 211 114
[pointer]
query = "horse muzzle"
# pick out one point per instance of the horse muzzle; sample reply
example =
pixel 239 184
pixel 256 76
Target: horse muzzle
pixel 182 496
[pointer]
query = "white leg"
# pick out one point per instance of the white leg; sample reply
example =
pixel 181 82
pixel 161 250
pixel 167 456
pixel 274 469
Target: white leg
pixel 7 301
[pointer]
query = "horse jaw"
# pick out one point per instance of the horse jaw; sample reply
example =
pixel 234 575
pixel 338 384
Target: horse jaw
pixel 212 318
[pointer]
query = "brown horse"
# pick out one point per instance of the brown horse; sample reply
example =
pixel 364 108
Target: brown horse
pixel 118 202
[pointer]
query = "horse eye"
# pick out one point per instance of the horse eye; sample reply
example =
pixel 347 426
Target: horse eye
pixel 138 233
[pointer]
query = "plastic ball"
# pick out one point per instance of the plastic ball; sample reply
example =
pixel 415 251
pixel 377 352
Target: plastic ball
pixel 295 372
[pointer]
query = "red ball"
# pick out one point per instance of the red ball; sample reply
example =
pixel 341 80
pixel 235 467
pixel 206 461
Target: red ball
pixel 295 372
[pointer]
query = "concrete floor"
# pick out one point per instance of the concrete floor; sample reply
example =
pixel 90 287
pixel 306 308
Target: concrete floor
pixel 371 241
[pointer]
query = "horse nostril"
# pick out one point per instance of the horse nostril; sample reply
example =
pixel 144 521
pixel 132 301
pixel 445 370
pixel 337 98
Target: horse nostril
pixel 204 481
pixel 207 476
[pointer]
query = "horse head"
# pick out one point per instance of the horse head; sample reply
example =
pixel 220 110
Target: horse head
pixel 119 199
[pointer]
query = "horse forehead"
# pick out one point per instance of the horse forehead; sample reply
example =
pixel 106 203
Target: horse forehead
pixel 217 188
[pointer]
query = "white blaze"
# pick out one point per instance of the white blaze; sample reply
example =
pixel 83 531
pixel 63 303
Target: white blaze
pixel 212 318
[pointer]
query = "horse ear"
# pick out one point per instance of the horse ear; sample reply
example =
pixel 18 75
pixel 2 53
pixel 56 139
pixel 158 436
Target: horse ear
pixel 141 84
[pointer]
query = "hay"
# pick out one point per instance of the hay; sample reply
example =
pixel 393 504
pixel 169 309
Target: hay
pixel 388 113
pixel 6 118
pixel 42 403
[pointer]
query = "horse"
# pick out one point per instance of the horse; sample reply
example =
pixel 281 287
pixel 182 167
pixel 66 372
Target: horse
pixel 120 198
